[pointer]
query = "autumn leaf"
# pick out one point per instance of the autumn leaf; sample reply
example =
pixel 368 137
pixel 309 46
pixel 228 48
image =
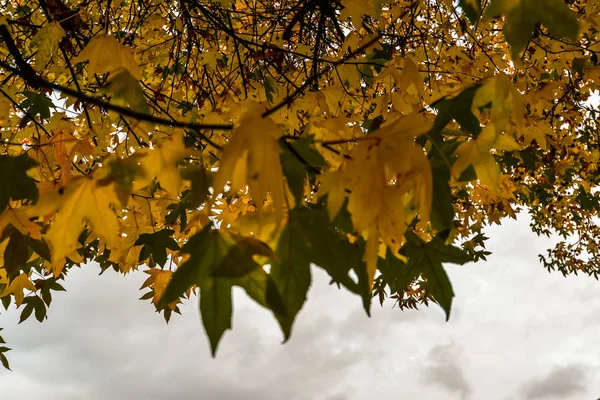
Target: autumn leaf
pixel 82 201
pixel 477 152
pixel 126 90
pixel 47 40
pixel 334 186
pixel 17 286
pixel 252 158
pixel 291 272
pixel 104 54
pixel 216 309
pixel 158 281
pixel 19 219
pixel 161 163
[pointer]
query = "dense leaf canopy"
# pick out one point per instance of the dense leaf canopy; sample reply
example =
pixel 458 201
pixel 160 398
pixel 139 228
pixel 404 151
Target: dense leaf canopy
pixel 213 144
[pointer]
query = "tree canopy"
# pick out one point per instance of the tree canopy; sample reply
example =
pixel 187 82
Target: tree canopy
pixel 214 144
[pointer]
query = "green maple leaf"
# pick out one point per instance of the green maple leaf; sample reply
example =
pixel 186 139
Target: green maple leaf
pixel 206 249
pixel 16 253
pixel 333 252
pixel 238 261
pixel 292 273
pixel 216 309
pixel 215 265
pixel 201 181
pixel 299 161
pixel 426 259
pixel 127 91
pixel 3 358
pixel 522 17
pixel 310 238
pixel 15 183
pixel 471 8
pixel 37 104
pixel 156 244
pixel 456 108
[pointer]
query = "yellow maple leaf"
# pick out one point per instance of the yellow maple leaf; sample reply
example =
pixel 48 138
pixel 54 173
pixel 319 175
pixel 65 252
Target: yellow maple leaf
pixel 158 280
pixel 82 200
pixel 252 158
pixel 392 223
pixel 126 90
pixel 47 40
pixel 19 219
pixel 367 175
pixel 538 133
pixel 477 152
pixel 410 74
pixel 356 10
pixel 106 55
pixel 333 183
pixel 210 58
pixel 406 160
pixel 506 102
pixel 3 277
pixel 161 162
pixel 17 286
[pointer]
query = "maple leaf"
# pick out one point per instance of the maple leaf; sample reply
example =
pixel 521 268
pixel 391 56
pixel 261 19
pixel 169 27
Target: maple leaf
pixel 206 249
pixel 104 54
pixel 19 219
pixel 334 186
pixel 37 104
pixel 505 99
pixel 17 286
pixel 47 40
pixel 15 183
pixel 82 200
pixel 216 309
pixel 161 163
pixel 523 15
pixel 471 8
pixel 15 254
pixel 252 157
pixel 157 244
pixel 368 180
pixel 355 10
pixel 158 281
pixel 426 259
pixel 126 90
pixel 239 260
pixel 477 152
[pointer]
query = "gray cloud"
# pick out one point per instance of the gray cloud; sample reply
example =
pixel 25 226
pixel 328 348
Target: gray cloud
pixel 560 383
pixel 443 368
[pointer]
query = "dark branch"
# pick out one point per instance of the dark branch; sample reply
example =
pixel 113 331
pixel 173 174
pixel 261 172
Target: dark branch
pixel 31 78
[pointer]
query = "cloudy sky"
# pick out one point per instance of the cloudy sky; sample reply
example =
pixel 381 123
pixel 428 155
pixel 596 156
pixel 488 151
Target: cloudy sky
pixel 516 332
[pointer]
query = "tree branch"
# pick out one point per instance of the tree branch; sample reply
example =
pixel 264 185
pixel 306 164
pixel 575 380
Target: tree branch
pixel 31 78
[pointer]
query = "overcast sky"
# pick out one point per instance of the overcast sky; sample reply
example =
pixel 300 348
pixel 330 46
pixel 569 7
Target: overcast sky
pixel 516 332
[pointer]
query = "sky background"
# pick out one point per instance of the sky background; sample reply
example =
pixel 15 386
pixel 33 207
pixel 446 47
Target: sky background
pixel 516 332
